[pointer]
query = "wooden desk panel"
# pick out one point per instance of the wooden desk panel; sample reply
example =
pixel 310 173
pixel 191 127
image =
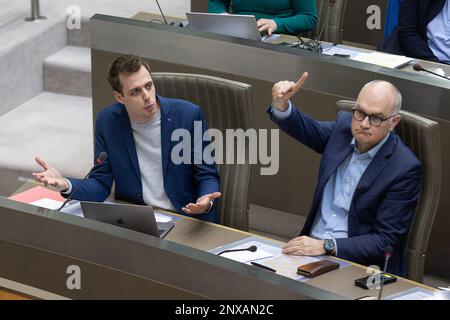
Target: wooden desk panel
pixel 10 296
pixel 339 281
pixel 205 236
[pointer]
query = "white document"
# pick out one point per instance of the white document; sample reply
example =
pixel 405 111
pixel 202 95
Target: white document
pixel 47 203
pixel 339 50
pixel 246 256
pixel 162 218
pixel 73 207
pixel 441 295
pixel 286 265
pixel 383 59
pixel 418 295
pixel 439 71
pixel 269 38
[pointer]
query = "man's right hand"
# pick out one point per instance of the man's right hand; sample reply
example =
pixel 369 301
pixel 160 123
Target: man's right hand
pixel 282 91
pixel 50 176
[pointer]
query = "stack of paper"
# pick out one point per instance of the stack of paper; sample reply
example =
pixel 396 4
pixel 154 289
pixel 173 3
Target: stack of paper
pixel 383 59
pixel 286 265
pixel 40 196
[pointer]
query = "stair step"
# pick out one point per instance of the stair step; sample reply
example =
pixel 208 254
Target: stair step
pixel 68 71
pixel 80 37
pixel 56 127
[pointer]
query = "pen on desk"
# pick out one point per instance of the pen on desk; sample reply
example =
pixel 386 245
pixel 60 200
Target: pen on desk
pixel 262 266
pixel 444 289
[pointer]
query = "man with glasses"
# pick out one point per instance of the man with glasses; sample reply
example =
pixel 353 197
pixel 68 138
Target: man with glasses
pixel 369 181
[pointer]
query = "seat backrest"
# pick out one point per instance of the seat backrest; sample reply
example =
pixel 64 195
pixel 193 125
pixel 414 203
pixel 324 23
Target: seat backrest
pixel 422 136
pixel 333 30
pixel 227 105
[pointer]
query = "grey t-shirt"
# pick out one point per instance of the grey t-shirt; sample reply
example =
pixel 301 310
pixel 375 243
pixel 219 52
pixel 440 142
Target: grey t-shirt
pixel 147 138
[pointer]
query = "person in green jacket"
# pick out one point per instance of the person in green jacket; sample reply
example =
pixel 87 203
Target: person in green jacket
pixel 273 16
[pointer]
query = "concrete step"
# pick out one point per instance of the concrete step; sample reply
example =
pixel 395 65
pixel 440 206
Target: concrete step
pixel 22 56
pixel 79 37
pixel 68 71
pixel 56 127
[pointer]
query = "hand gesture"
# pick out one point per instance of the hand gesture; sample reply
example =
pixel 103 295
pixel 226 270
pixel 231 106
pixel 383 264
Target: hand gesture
pixel 282 91
pixel 202 205
pixel 268 25
pixel 50 176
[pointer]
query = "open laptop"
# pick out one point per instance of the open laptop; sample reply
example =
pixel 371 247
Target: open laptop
pixel 242 26
pixel 129 216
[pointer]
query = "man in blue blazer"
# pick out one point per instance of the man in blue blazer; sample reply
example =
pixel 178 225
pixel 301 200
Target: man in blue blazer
pixel 423 31
pixel 136 133
pixel 369 181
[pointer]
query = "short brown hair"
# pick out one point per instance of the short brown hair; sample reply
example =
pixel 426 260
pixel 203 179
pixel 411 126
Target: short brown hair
pixel 125 64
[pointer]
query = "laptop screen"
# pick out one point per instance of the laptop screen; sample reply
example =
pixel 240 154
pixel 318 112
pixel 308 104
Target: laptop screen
pixel 242 26
pixel 129 216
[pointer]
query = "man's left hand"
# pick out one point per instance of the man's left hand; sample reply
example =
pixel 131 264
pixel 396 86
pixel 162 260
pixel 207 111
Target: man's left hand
pixel 202 205
pixel 304 246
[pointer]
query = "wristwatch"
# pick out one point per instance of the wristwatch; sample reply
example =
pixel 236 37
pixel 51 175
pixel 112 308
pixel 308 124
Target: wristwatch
pixel 329 247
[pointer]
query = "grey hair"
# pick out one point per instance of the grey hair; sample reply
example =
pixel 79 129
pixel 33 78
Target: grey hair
pixel 396 93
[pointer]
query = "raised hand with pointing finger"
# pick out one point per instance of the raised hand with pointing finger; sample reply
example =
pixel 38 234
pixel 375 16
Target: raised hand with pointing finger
pixel 282 91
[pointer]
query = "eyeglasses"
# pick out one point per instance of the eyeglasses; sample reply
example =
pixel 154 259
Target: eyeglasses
pixel 374 119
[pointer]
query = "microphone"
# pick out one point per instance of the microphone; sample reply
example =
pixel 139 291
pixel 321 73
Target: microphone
pixel 419 67
pixel 251 249
pixel 100 159
pixel 173 23
pixel 315 45
pixel 160 10
pixel 388 250
pixel 327 18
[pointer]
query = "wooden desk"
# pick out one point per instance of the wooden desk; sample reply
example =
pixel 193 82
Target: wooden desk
pixel 10 296
pixel 192 233
pixel 207 236
pixel 151 17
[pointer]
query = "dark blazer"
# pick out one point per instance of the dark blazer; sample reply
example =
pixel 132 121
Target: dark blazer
pixel 410 36
pixel 183 183
pixel 384 200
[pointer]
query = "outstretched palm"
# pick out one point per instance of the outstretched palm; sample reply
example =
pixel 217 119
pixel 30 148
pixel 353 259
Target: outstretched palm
pixel 50 177
pixel 202 205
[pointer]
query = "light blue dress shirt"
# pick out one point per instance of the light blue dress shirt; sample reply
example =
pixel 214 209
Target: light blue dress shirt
pixel 438 33
pixel 331 221
pixel 332 217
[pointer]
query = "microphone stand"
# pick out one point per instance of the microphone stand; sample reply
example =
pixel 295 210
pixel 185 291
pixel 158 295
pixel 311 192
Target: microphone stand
pixel 315 45
pixel 160 10
pixel 69 197
pixel 101 157
pixel 388 253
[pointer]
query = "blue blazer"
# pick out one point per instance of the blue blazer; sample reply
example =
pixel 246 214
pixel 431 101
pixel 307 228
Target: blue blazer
pixel 183 183
pixel 384 200
pixel 410 37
